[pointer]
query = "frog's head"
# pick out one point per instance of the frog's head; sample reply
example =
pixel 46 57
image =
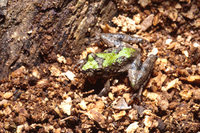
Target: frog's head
pixel 91 63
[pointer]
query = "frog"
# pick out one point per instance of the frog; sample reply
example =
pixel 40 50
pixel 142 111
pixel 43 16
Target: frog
pixel 120 57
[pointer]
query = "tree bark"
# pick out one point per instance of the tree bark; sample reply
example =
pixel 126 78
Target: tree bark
pixel 33 32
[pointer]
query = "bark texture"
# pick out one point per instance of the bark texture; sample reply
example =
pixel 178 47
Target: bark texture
pixel 36 31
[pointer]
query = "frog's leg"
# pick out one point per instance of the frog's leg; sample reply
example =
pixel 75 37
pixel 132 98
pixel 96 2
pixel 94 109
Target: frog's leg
pixel 133 72
pixel 143 76
pixel 139 94
pixel 106 89
pixel 116 40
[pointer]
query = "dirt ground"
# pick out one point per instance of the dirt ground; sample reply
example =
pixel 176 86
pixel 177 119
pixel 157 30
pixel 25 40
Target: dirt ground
pixel 42 41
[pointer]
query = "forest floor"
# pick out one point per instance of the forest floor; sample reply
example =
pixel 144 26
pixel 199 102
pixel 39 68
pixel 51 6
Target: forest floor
pixel 52 97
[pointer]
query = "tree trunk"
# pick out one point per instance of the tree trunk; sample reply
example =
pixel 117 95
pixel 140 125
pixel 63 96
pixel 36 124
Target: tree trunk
pixel 36 31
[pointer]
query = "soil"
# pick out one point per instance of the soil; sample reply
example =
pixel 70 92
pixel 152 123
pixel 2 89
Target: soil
pixel 42 90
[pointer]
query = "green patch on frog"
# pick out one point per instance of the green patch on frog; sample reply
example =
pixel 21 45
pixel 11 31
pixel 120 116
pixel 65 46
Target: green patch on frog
pixel 109 58
pixel 91 63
